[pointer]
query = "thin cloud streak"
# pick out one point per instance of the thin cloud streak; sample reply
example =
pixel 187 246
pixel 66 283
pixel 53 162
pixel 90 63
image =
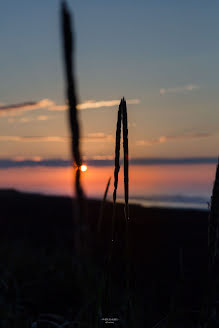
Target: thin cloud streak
pixel 97 137
pixel 93 137
pixel 42 118
pixel 34 138
pixel 188 87
pixel 17 109
pixel 25 119
pixel 23 159
pixel 164 139
pixel 93 104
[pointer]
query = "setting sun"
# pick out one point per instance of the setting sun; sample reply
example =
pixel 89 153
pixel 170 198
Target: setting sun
pixel 83 168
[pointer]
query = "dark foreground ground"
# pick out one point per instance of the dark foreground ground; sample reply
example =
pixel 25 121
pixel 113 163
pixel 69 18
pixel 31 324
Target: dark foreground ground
pixel 167 263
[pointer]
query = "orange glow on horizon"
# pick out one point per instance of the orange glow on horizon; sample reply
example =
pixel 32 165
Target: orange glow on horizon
pixel 143 180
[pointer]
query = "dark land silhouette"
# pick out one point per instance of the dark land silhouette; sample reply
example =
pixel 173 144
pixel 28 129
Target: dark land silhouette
pixel 167 247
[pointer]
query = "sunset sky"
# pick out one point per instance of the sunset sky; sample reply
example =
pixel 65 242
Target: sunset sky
pixel 162 56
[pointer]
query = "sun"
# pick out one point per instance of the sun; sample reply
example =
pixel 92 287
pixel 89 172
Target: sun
pixel 83 168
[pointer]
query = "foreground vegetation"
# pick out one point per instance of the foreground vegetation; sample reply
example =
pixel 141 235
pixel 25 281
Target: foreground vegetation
pixel 42 279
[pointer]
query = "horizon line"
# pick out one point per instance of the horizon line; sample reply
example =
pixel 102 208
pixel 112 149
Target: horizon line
pixel 57 162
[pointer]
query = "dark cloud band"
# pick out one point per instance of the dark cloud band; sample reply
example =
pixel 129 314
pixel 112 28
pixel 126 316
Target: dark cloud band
pixel 9 163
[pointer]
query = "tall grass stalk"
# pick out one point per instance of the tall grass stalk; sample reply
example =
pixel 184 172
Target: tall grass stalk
pixel 68 46
pixel 126 157
pixel 117 165
pixel 126 172
pixel 121 118
pixel 130 313
pixel 106 273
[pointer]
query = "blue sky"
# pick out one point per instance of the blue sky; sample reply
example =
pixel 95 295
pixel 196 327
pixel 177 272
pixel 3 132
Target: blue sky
pixel 162 53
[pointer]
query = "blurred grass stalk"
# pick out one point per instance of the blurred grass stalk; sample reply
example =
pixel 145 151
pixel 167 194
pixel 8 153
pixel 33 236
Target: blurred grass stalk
pixel 68 47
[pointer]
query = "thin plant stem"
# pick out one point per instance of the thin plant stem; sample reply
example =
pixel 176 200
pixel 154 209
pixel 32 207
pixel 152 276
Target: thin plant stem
pixel 103 205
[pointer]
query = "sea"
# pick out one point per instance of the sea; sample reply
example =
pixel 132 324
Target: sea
pixel 172 186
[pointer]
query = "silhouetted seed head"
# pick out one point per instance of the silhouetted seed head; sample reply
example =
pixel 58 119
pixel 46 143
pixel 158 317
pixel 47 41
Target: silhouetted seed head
pixel 117 151
pixel 117 165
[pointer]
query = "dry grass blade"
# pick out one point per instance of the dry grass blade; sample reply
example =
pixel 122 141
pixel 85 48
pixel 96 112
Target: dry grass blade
pixel 103 204
pixel 68 45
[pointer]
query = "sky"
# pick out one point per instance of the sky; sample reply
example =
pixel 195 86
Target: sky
pixel 162 56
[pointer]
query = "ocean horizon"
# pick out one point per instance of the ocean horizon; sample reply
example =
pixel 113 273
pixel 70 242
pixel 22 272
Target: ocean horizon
pixel 173 186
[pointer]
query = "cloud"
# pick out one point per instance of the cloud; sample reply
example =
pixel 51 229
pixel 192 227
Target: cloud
pixel 98 137
pixel 131 124
pixel 103 162
pixel 102 158
pixel 17 109
pixel 188 87
pixel 92 137
pixel 163 139
pixel 42 118
pixel 102 137
pixel 34 138
pixel 92 104
pixel 23 159
pixel 25 119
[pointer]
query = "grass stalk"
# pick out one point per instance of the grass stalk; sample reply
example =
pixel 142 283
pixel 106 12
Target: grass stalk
pixel 126 167
pixel 126 208
pixel 126 157
pixel 104 286
pixel 117 166
pixel 68 46
pixel 103 205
